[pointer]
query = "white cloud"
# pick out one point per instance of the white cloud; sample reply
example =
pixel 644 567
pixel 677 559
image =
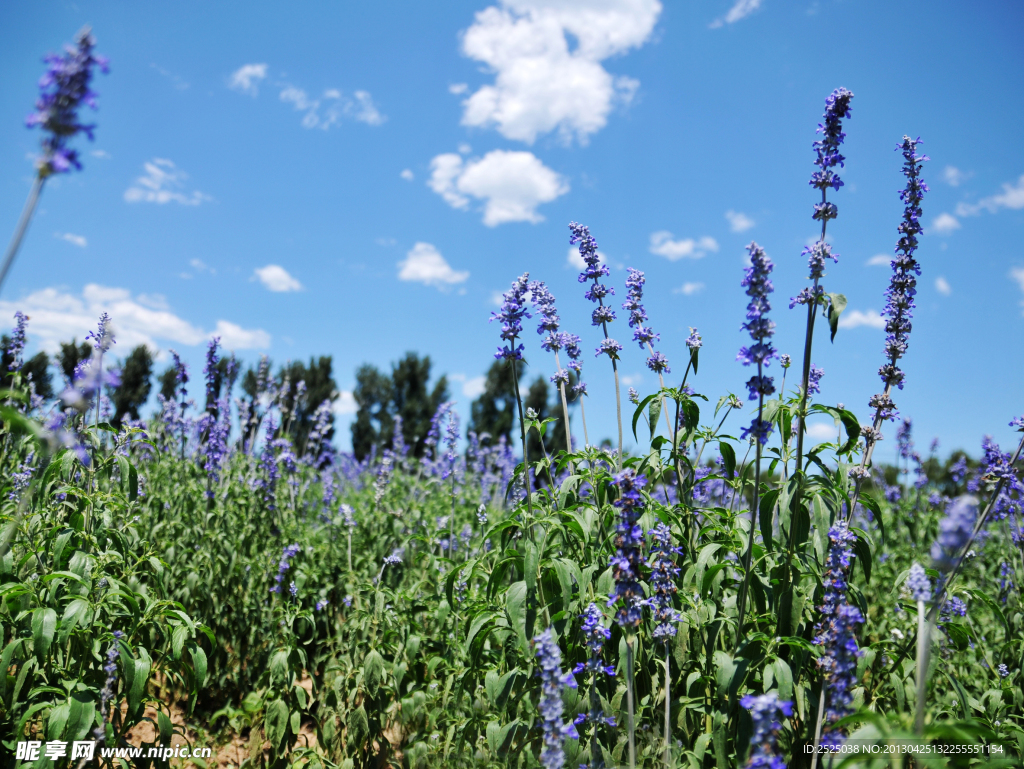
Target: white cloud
pixel 200 266
pixel 70 237
pixel 161 184
pixel 329 110
pixel 689 289
pixel 542 81
pixel 424 264
pixel 740 10
pixel 247 78
pixel 57 315
pixel 101 154
pixel 474 388
pixel 345 404
pixel 464 149
pixel 663 244
pixel 1011 197
pixel 954 177
pixel 574 259
pixel 879 259
pixel 631 379
pixel 276 278
pixel 1017 273
pixel 234 337
pixel 738 221
pixel 512 184
pixel 458 88
pixel 945 223
pixel 822 431
pixel 855 318
pixel 942 286
pixel 407 175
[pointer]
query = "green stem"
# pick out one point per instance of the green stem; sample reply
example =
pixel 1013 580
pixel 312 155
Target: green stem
pixel 22 228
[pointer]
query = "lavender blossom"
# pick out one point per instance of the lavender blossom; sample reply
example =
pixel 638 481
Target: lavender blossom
pixel 663 583
pixel 634 396
pixel 954 532
pixel 63 89
pixel 22 477
pixel 595 634
pixel 1004 672
pixel 17 345
pixel 553 681
pixel 283 565
pixel 814 380
pixel 628 556
pixel 918 584
pixel 451 457
pixel 594 271
pixel 837 107
pixel 643 335
pixel 268 467
pixel 836 632
pixel 765 712
pixel 513 310
pixel 761 328
pixel 109 686
pixel 995 468
pixel 693 341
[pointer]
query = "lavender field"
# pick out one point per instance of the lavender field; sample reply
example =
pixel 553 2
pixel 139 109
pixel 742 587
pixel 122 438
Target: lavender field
pixel 708 583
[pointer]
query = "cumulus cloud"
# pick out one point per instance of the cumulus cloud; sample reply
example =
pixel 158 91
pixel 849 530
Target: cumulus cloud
pixel 822 431
pixel 1017 273
pixel 954 177
pixel 472 387
pixel 945 223
pixel 689 289
pixel 458 88
pixel 276 278
pixel 546 58
pixel 942 286
pixel 70 237
pixel 163 183
pixel 740 10
pixel 738 221
pixel 58 315
pixel 664 244
pixel 345 403
pixel 424 264
pixel 332 107
pixel 511 184
pixel 247 78
pixel 1011 197
pixel 879 259
pixel 855 318
pixel 407 174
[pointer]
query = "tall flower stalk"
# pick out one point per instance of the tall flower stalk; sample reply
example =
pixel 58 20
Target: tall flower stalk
pixel 552 682
pixel 644 336
pixel 664 573
pixel 602 314
pixel 594 635
pixel 761 329
pixel 899 308
pixel 921 591
pixel 513 310
pixel 63 89
pixel 837 107
pixel 626 564
pixel 544 301
pixel 571 342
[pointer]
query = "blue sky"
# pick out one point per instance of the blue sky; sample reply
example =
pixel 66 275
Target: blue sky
pixel 362 179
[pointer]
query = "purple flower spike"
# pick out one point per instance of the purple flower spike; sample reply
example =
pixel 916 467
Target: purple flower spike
pixel 761 328
pixel 513 310
pixel 553 681
pixel 765 712
pixel 17 345
pixel 63 89
pixel 628 558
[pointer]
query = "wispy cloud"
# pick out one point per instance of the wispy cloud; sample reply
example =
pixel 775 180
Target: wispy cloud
pixel 424 264
pixel 942 286
pixel 663 243
pixel 855 318
pixel 458 88
pixel 75 240
pixel 1017 273
pixel 57 315
pixel 879 259
pixel 176 81
pixel 689 289
pixel 332 107
pixel 345 404
pixel 741 10
pixel 1012 197
pixel 162 183
pixel 472 387
pixel 511 184
pixel 945 223
pixel 247 78
pixel 954 177
pixel 738 221
pixel 276 278
pixel 407 174
pixel 544 83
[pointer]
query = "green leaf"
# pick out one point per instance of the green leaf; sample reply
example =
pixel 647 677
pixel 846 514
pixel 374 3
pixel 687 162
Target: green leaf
pixel 784 676
pixel 178 637
pixel 166 728
pixel 477 624
pixel 140 677
pixel 279 669
pixel 295 721
pixel 199 666
pixel 373 672
pixel 44 624
pixel 836 305
pixel 728 458
pixel 275 723
pixel 77 610
pixel 515 606
pixel 639 412
pixel 358 728
pixel 653 413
